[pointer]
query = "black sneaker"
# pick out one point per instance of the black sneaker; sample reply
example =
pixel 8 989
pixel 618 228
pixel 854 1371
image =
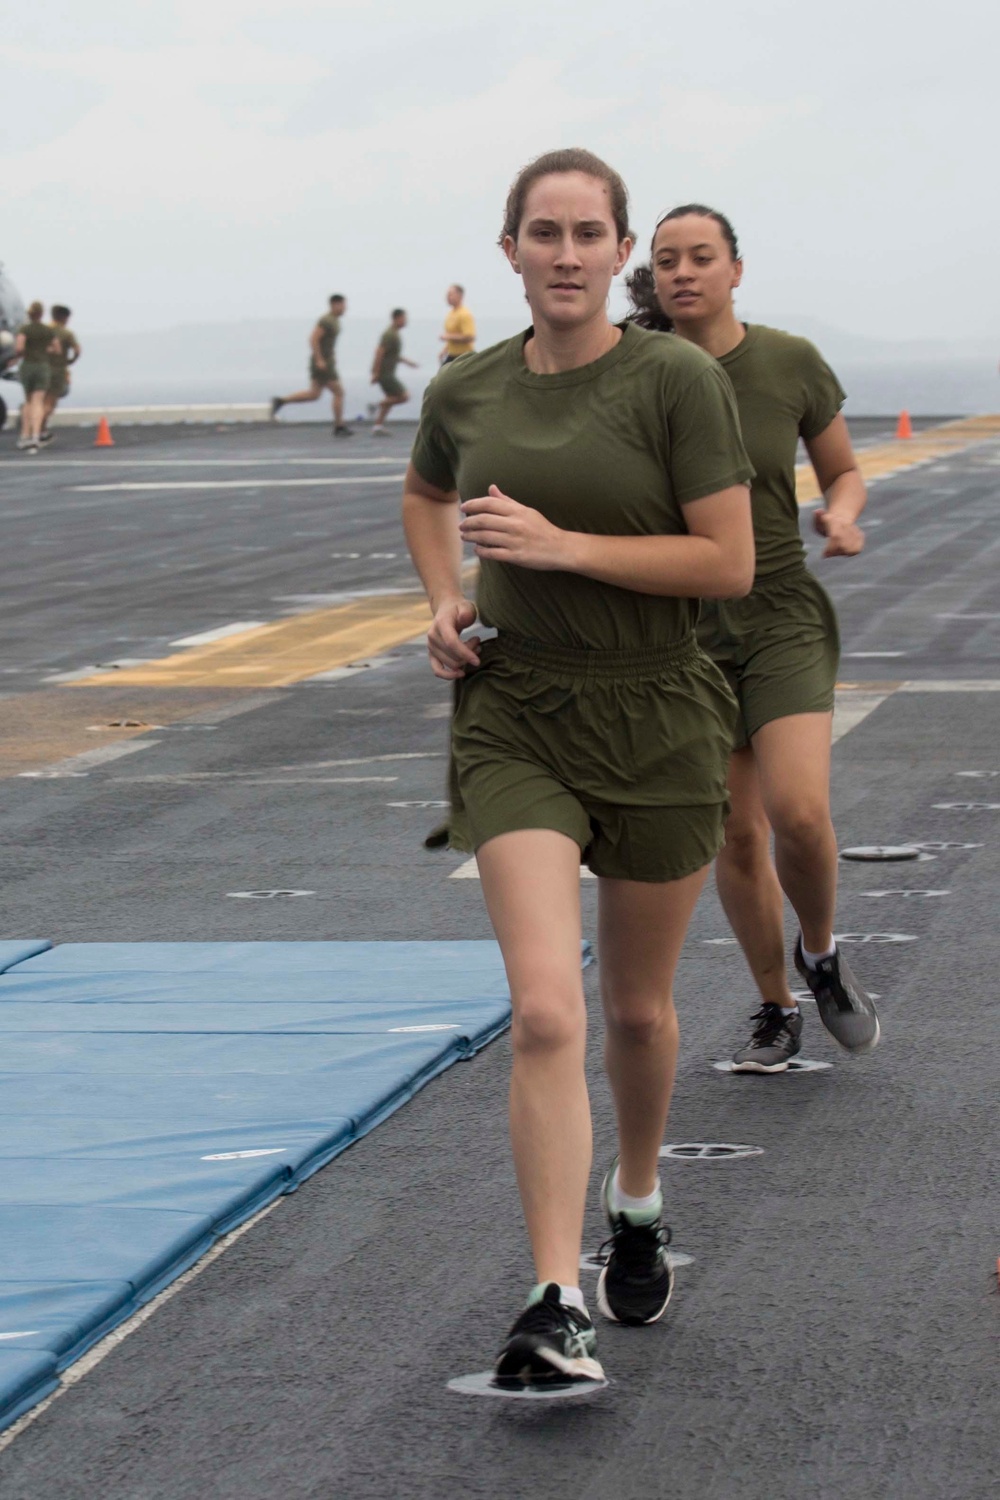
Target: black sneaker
pixel 45 437
pixel 845 1007
pixel 549 1343
pixel 276 405
pixel 776 1038
pixel 342 430
pixel 637 1281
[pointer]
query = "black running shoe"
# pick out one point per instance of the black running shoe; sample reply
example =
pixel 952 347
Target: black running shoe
pixel 342 430
pixel 845 1007
pixel 637 1281
pixel 776 1038
pixel 45 437
pixel 549 1343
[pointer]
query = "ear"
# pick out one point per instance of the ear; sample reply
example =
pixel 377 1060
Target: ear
pixel 737 273
pixel 625 248
pixel 510 250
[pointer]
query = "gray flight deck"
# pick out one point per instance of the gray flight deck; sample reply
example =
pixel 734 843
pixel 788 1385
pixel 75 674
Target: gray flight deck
pixel 834 1333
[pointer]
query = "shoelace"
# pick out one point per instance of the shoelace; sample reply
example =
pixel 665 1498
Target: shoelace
pixel 769 1022
pixel 637 1246
pixel 541 1315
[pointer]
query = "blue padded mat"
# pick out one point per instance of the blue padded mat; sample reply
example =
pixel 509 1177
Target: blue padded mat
pixel 153 1096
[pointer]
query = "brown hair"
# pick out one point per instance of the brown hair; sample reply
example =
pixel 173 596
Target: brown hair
pixel 573 159
pixel 35 311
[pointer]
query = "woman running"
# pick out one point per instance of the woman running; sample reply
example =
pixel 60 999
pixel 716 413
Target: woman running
pixel 779 646
pixel 602 482
pixel 34 343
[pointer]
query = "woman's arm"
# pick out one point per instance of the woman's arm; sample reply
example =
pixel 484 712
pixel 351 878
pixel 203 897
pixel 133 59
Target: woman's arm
pixel 429 520
pixel 843 486
pixel 714 561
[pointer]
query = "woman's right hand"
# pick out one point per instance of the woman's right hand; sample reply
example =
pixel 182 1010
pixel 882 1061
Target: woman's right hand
pixel 451 657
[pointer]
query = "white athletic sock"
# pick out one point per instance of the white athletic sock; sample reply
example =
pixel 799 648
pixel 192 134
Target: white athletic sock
pixel 813 960
pixel 650 1206
pixel 571 1296
pixel 789 1010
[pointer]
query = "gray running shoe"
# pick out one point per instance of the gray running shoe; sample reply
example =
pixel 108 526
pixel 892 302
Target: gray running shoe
pixel 637 1281
pixel 845 1007
pixel 776 1039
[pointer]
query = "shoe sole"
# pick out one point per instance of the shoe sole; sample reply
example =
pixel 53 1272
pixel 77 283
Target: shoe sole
pixel 864 1047
pixel 608 1311
pixel 534 1365
pixel 756 1067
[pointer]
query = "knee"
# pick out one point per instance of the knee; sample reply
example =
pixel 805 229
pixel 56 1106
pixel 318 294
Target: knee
pixel 545 1021
pixel 640 1020
pixel 802 823
pixel 748 843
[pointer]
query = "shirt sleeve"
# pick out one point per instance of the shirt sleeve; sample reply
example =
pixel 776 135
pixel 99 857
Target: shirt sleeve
pixel 823 395
pixel 706 449
pixel 433 455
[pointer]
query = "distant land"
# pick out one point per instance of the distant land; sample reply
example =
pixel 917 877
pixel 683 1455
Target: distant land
pixel 254 359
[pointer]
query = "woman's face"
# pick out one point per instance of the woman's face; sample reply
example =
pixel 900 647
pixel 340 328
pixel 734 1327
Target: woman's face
pixel 567 249
pixel 694 269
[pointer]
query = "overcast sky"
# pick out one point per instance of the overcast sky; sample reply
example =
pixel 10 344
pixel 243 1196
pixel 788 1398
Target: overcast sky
pixel 168 161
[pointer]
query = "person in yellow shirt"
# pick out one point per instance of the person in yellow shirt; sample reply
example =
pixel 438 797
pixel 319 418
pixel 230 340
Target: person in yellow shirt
pixel 459 335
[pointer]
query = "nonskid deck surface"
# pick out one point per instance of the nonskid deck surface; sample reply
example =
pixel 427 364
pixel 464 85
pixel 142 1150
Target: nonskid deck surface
pixel 845 1256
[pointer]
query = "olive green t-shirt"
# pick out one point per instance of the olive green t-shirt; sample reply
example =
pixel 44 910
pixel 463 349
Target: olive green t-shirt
pixel 784 390
pixel 614 448
pixel 66 340
pixel 330 325
pixel 392 348
pixel 37 338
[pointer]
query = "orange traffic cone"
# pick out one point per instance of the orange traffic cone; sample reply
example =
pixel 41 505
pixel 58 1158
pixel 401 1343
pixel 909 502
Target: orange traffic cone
pixel 904 428
pixel 104 438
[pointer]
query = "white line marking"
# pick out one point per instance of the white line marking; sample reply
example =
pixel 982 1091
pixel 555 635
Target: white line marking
pixel 959 685
pixel 238 484
pixel 124 462
pixel 851 708
pixel 79 765
pixel 865 654
pixel 967 617
pixel 470 871
pixel 205 637
pixel 27 1333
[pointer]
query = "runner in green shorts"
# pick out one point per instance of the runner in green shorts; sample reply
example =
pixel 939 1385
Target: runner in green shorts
pixel 602 483
pixel 65 353
pixel 323 368
pixel 34 343
pixel 779 646
pixel 389 354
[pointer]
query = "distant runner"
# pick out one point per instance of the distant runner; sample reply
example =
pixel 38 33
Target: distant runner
pixel 323 368
pixel 779 647
pixel 598 473
pixel 67 351
pixel 459 335
pixel 389 354
pixel 35 344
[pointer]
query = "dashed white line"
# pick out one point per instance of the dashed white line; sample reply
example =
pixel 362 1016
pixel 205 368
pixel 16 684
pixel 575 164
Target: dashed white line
pixel 237 484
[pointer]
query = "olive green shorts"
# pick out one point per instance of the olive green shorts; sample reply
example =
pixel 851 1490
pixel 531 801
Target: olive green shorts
pixel 391 386
pixel 35 375
pixel 624 752
pixel 59 384
pixel 779 649
pixel 319 376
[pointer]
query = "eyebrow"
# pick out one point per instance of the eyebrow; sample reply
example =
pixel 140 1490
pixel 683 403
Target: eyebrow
pixel 705 245
pixel 553 224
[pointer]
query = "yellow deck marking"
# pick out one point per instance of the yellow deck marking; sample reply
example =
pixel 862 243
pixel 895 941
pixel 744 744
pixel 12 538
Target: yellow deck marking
pixel 284 652
pixel 903 453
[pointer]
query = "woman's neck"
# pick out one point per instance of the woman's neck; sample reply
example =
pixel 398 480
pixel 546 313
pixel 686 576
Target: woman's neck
pixel 550 350
pixel 717 335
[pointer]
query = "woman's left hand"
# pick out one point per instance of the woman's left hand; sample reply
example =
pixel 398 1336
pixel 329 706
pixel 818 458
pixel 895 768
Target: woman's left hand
pixel 503 530
pixel 844 538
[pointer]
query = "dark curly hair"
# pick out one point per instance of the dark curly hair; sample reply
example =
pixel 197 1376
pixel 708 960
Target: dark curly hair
pixel 641 284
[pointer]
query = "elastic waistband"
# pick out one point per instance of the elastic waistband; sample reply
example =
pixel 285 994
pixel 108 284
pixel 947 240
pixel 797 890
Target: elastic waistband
pixel 581 663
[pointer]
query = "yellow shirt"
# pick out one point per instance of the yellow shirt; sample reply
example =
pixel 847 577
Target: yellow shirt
pixel 459 321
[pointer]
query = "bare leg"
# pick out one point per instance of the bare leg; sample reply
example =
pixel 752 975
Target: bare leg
pixel 747 882
pixel 531 881
pixel 337 391
pixel 793 764
pixel 387 403
pixel 36 413
pixel 312 394
pixel 641 931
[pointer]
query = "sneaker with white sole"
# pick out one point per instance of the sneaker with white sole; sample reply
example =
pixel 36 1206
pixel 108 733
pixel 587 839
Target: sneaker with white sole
pixel 549 1343
pixel 776 1039
pixel 637 1281
pixel 845 1006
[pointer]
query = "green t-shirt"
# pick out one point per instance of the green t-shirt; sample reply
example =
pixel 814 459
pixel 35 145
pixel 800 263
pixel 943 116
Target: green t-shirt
pixel 330 325
pixel 392 348
pixel 784 391
pixel 37 338
pixel 66 340
pixel 615 448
